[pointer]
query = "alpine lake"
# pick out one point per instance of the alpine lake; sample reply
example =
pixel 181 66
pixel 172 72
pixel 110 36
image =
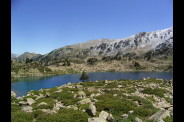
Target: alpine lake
pixel 24 85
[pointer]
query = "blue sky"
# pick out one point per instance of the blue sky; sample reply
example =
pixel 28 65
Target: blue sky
pixel 41 26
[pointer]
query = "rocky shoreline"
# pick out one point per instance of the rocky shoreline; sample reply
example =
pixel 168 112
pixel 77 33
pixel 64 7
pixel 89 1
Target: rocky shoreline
pixel 98 101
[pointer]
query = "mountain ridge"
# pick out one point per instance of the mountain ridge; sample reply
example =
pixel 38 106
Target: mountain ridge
pixel 139 43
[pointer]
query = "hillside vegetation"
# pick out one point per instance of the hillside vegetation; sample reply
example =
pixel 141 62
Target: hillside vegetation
pixel 146 100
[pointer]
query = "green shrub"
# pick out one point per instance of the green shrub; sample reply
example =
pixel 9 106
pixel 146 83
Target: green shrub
pixel 13 99
pixel 142 112
pixel 15 108
pixel 65 97
pixel 49 101
pixel 113 104
pixel 156 91
pixel 20 116
pixel 168 119
pixel 65 115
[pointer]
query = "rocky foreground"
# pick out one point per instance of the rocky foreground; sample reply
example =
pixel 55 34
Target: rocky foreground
pixel 145 100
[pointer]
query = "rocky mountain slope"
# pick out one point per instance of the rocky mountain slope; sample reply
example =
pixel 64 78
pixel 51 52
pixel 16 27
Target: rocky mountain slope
pixel 28 55
pixel 159 42
pixel 13 56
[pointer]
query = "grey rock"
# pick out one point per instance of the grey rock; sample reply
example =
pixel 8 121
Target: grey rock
pixel 13 94
pixel 120 86
pixel 48 111
pixel 96 119
pixel 27 109
pixel 81 94
pixel 160 115
pixel 85 101
pixel 57 106
pixel 21 103
pixel 103 115
pixel 42 103
pixel 30 101
pixel 138 120
pixel 19 98
pixel 91 110
pixel 130 112
pixel 124 116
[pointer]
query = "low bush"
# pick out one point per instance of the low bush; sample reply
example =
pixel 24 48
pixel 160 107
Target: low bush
pixel 49 101
pixel 157 91
pixel 114 105
pixel 65 115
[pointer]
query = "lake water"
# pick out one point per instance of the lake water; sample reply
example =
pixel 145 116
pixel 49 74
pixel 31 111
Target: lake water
pixel 23 86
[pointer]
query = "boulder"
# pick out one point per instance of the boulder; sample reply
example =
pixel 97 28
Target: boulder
pixel 48 111
pixel 81 94
pixel 163 104
pixel 79 86
pixel 42 103
pixel 57 106
pixel 160 115
pixel 47 95
pixel 40 96
pixel 96 119
pixel 30 101
pixel 85 101
pixel 103 114
pixel 98 94
pixel 19 98
pixel 13 94
pixel 124 116
pixel 92 95
pixel 27 109
pixel 91 110
pixel 21 103
pixel 138 120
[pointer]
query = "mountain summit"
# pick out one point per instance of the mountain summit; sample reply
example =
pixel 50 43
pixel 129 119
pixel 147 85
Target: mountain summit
pixel 160 42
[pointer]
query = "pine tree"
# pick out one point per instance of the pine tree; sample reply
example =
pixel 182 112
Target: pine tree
pixel 84 76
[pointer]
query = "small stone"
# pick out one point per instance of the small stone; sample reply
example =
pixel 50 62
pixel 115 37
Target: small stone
pixel 138 120
pixel 19 98
pixel 115 95
pixel 124 116
pixel 58 91
pixel 120 86
pixel 130 112
pixel 96 119
pixel 48 111
pixel 42 103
